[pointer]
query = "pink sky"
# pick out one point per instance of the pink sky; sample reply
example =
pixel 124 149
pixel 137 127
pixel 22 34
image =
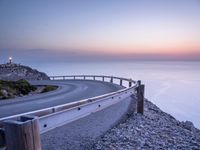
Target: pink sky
pixel 103 28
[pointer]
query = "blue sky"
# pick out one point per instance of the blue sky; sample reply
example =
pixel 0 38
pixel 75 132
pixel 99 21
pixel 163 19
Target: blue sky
pixel 51 29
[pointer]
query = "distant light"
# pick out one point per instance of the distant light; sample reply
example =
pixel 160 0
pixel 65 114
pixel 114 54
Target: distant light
pixel 10 60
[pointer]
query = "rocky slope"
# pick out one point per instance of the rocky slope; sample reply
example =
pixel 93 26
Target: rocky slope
pixel 154 130
pixel 11 71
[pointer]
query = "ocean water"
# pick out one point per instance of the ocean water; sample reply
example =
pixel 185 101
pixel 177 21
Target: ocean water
pixel 174 86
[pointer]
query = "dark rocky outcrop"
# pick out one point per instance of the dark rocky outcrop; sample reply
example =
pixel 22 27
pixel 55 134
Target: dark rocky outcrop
pixel 11 71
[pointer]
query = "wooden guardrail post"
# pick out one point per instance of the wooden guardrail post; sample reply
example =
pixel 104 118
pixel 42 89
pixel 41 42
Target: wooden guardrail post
pixel 121 82
pixel 139 82
pixel 2 139
pixel 103 78
pixel 93 77
pixel 111 79
pixel 23 134
pixel 130 83
pixel 140 98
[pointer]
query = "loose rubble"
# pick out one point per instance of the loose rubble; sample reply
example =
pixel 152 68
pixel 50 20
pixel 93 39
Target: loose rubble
pixel 153 130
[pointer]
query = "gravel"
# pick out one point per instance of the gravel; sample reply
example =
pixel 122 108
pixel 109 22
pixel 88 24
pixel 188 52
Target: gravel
pixel 153 130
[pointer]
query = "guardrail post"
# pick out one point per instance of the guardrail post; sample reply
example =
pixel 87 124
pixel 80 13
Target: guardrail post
pixel 23 134
pixel 139 82
pixel 63 77
pixel 74 77
pixel 83 77
pixel 2 139
pixel 111 79
pixel 93 77
pixel 130 83
pixel 103 79
pixel 121 82
pixel 140 98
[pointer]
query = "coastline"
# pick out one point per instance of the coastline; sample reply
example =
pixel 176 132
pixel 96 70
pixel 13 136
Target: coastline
pixel 153 130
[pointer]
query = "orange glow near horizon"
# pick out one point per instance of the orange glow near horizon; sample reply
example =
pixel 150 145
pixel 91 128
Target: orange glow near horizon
pixel 164 28
pixel 145 48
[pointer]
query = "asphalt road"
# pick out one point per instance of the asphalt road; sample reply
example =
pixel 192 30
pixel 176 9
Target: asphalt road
pixel 68 91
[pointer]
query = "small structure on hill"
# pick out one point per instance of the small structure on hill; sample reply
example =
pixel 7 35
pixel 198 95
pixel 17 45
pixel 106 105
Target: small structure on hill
pixel 10 60
pixel 12 71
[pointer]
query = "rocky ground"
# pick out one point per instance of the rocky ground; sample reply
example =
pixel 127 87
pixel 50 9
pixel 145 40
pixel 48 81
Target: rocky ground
pixel 153 130
pixel 12 71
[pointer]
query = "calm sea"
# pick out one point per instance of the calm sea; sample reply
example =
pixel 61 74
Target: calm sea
pixel 173 86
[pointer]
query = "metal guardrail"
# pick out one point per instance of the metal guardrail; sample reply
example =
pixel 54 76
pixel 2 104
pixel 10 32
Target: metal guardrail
pixel 53 117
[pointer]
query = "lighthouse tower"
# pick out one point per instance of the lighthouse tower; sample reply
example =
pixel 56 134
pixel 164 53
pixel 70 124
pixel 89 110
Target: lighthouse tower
pixel 10 60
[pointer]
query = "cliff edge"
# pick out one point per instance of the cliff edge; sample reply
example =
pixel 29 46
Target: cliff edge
pixel 155 130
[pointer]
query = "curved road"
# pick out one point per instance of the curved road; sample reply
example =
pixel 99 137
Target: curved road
pixel 68 91
pixel 80 134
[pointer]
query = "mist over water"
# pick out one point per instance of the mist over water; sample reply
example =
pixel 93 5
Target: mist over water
pixel 173 86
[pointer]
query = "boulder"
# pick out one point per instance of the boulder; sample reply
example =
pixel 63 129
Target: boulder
pixel 188 125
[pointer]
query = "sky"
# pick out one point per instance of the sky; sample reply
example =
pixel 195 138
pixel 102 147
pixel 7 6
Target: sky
pixel 59 30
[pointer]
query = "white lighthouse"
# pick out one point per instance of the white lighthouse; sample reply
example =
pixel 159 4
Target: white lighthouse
pixel 10 60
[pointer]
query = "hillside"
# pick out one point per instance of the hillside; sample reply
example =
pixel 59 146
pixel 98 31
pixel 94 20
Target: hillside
pixel 11 89
pixel 14 72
